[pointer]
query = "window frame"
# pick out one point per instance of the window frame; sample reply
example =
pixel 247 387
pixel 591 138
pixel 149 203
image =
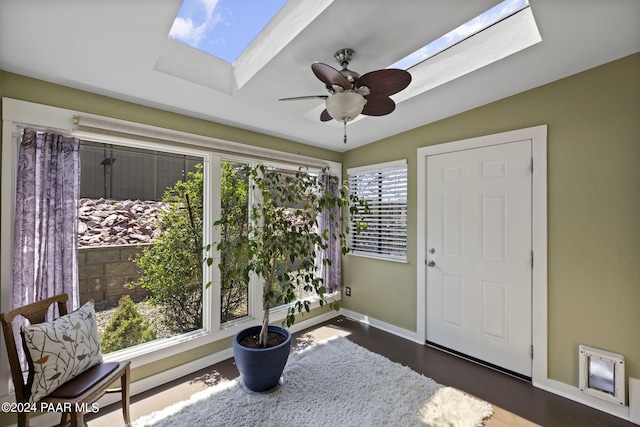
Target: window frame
pixel 387 253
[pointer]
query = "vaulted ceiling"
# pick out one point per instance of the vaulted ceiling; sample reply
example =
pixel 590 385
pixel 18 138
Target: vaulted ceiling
pixel 121 49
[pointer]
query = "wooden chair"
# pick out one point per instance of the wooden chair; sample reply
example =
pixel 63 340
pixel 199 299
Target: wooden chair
pixel 79 392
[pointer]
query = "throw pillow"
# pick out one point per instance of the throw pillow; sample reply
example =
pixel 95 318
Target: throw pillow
pixel 61 349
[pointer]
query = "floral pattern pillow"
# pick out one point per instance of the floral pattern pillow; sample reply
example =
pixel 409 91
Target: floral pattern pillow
pixel 60 350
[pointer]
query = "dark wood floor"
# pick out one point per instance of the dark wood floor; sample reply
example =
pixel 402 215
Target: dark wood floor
pixel 516 402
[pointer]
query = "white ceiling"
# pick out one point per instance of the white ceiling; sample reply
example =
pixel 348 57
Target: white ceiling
pixel 121 49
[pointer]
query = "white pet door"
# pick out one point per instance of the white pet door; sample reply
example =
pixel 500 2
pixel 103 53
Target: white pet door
pixel 602 374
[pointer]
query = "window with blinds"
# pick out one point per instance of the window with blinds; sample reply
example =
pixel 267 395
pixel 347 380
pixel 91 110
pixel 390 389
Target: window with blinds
pixel 384 186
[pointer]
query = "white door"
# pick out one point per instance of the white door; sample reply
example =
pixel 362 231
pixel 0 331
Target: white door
pixel 479 253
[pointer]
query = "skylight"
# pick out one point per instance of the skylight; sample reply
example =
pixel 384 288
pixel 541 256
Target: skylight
pixel 222 28
pixel 474 26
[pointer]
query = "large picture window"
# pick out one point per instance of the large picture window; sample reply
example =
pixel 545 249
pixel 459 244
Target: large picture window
pixel 384 187
pixel 140 242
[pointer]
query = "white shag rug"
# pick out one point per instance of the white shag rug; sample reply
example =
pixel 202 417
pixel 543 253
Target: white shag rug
pixel 333 383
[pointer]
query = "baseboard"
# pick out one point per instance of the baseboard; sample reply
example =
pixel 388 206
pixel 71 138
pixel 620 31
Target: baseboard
pixel 378 324
pixel 574 393
pixel 634 400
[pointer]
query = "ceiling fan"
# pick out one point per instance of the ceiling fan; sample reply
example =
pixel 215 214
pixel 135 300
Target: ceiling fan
pixel 351 94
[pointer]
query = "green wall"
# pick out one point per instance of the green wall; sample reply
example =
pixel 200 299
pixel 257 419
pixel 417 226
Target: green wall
pixel 593 123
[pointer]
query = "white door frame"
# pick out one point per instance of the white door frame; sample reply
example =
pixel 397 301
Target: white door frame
pixel 538 137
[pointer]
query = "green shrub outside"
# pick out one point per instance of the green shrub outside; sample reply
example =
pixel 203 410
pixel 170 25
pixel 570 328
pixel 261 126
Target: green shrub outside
pixel 126 328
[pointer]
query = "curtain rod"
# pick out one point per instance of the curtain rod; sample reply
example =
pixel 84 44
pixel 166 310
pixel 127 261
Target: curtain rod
pixel 122 129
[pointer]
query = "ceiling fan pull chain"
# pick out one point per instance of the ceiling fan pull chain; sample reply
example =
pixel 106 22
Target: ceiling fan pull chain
pixel 345 131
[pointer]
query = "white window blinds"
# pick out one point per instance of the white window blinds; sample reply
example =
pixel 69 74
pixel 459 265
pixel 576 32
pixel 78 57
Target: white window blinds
pixel 384 186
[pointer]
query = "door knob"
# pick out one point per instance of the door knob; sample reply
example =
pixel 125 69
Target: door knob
pixel 431 263
pixel 432 250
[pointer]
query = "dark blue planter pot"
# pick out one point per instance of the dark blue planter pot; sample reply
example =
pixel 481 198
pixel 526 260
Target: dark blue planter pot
pixel 261 368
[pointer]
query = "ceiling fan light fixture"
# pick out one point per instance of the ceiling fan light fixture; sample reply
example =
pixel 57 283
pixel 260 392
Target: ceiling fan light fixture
pixel 345 106
pixel 348 89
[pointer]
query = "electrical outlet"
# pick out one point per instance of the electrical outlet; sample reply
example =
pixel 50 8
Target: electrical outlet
pixel 347 291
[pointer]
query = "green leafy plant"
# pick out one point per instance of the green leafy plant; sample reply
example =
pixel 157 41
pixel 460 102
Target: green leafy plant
pixel 282 241
pixel 172 266
pixel 126 328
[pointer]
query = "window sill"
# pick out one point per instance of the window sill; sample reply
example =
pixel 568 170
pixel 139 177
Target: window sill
pixel 154 351
pixel 379 258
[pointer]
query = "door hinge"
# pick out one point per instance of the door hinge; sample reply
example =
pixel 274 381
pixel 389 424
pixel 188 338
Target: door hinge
pixel 531 258
pixel 531 166
pixel 531 352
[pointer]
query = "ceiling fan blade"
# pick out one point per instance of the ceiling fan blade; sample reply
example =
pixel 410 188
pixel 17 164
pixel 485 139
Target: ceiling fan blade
pixel 378 106
pixel 325 117
pixel 298 98
pixel 385 82
pixel 329 75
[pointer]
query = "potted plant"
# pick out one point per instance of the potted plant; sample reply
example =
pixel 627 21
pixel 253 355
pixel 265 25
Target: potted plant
pixel 296 219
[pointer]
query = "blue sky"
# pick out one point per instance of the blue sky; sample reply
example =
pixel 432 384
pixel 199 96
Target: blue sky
pixel 222 28
pixel 471 27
